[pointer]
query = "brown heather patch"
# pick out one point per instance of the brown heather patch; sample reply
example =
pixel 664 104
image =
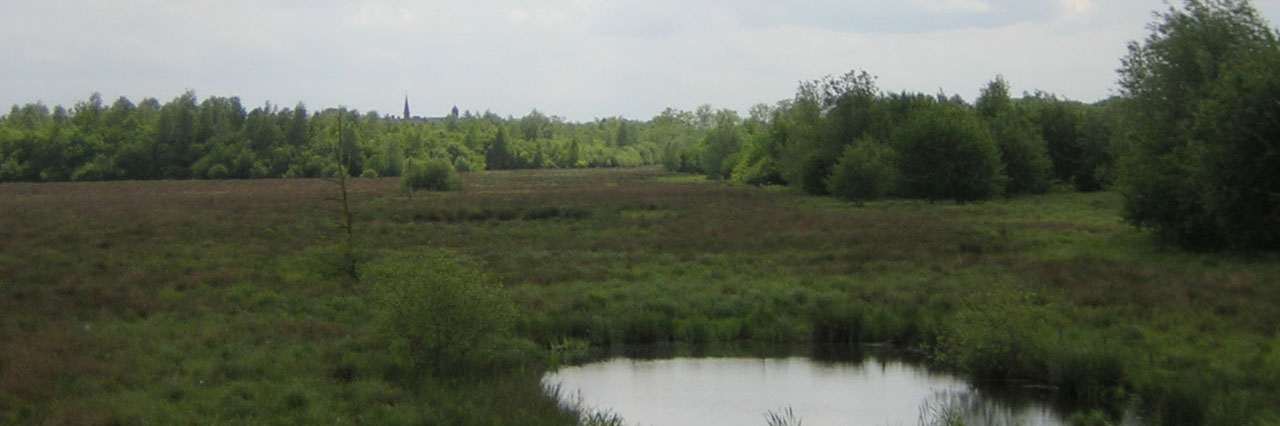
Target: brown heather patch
pixel 33 362
pixel 112 201
pixel 314 329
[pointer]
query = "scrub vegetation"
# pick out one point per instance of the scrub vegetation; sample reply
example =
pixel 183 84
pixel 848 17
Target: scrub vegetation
pixel 227 302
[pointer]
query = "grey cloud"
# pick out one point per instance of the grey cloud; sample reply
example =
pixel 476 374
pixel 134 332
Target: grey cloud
pixel 576 58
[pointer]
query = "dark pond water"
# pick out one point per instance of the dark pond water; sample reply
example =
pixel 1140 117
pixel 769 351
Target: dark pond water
pixel 738 391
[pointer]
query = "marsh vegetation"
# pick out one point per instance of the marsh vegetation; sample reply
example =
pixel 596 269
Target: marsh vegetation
pixel 221 302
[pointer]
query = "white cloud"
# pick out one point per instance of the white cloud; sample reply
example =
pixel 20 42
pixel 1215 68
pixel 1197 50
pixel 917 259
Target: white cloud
pixel 380 16
pixel 953 6
pixel 1077 9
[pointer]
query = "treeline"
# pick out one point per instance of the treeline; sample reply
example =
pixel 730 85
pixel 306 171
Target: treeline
pixel 217 138
pixel 1192 141
pixel 842 136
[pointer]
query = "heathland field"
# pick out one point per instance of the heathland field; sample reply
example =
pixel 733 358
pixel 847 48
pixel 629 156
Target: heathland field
pixel 231 302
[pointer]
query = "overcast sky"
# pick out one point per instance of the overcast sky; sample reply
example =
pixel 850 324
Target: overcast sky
pixel 579 59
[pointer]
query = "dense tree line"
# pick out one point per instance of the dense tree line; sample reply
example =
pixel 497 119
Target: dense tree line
pixel 218 138
pixel 917 145
pixel 843 136
pixel 1192 141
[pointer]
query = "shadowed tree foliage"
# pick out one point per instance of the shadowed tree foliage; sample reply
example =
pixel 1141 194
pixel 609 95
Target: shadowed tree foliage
pixel 1022 150
pixel 720 146
pixel 868 170
pixel 1201 165
pixel 946 153
pixel 499 155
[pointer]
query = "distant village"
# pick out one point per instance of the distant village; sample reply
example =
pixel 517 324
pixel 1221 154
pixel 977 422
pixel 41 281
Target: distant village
pixel 453 113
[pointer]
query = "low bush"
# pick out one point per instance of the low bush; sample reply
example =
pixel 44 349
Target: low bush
pixel 868 170
pixel 433 174
pixel 441 314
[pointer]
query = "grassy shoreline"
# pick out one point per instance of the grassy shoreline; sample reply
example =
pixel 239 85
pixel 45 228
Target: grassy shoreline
pixel 220 302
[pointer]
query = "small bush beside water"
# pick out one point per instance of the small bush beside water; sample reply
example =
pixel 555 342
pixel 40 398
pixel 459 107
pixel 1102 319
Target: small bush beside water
pixel 441 314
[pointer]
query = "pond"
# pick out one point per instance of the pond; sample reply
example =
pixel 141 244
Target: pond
pixel 873 391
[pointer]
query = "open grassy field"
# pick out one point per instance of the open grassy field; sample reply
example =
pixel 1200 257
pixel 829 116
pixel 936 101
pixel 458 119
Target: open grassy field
pixel 204 302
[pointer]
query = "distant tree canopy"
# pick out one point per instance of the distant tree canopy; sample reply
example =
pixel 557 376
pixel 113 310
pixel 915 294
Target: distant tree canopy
pixel 218 138
pixel 1201 160
pixel 842 136
pixel 801 142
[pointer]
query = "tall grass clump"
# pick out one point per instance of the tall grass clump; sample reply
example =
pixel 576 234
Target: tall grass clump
pixel 1000 337
pixel 434 174
pixel 441 315
pixel 576 406
pixel 784 417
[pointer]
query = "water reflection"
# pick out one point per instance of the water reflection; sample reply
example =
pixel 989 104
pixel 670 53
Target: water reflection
pixel 741 391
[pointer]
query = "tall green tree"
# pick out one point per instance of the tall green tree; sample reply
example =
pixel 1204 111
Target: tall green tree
pixel 1202 162
pixel 500 155
pixel 176 137
pixel 1023 152
pixel 721 145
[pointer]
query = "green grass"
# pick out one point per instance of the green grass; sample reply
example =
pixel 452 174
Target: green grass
pixel 225 302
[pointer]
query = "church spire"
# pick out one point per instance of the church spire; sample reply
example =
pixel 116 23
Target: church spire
pixel 406 106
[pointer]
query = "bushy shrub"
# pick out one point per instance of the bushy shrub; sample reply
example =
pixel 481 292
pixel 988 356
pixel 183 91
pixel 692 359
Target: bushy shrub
pixel 218 171
pixel 814 171
pixel 433 174
pixel 757 171
pixel 442 314
pixel 946 153
pixel 1001 337
pixel 868 170
pixel 682 159
pixel 757 162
